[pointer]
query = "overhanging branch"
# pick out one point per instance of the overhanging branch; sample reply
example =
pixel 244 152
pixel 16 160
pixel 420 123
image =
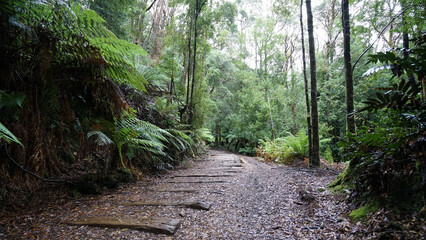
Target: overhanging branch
pixel 380 34
pixel 150 6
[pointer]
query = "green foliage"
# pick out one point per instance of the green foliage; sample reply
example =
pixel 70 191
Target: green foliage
pixel 247 151
pixel 285 149
pixel 8 104
pixel 414 64
pixel 116 14
pixel 361 213
pixel 154 75
pixel 8 136
pixel 328 155
pixel 176 145
pixel 298 144
pixel 75 38
pixel 198 138
pixel 275 150
pixel 140 134
pixel 117 53
pixel 146 144
pixel 399 97
pixel 179 141
pixel 101 138
pixel 386 152
pixel 384 137
pixel 203 135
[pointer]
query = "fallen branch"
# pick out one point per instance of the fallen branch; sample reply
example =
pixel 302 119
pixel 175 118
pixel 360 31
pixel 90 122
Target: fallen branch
pixel 31 173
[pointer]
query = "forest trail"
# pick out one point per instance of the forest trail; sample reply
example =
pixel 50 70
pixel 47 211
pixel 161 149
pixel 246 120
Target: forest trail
pixel 224 196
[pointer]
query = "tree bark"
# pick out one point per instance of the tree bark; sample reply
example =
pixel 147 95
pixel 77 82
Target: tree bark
pixel 406 44
pixel 350 119
pixel 270 114
pixel 314 160
pixel 198 6
pixel 194 63
pixel 305 78
pixel 188 76
pixel 172 79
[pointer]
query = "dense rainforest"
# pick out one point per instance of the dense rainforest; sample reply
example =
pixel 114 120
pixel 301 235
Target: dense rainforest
pixel 96 93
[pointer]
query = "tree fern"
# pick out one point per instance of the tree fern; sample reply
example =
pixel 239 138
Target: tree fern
pixel 117 53
pixel 77 38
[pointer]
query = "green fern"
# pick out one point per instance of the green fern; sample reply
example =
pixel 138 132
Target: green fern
pixel 116 52
pixel 140 134
pixel 298 144
pixel 203 135
pixel 180 141
pixel 100 138
pixel 78 39
pixel 287 148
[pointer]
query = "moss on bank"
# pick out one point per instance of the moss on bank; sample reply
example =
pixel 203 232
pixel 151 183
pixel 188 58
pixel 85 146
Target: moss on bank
pixel 360 213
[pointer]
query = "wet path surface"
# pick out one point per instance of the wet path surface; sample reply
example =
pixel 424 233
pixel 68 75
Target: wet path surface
pixel 247 199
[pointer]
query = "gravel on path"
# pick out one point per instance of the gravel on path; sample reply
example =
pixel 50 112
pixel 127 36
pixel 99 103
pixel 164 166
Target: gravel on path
pixel 254 200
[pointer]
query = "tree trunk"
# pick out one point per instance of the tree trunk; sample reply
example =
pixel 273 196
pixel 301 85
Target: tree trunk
pixel 308 109
pixel 188 76
pixel 194 64
pixel 198 6
pixel 406 45
pixel 294 100
pixel 350 119
pixel 270 114
pixel 172 79
pixel 217 137
pixel 314 161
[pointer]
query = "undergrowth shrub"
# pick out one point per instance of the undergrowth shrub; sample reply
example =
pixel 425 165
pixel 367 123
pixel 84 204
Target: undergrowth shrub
pixel 387 154
pixel 284 150
pixel 387 163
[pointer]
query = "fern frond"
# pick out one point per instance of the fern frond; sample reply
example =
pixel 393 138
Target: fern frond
pixel 8 136
pixel 100 138
pixel 116 52
pixel 149 143
pixel 178 133
pixel 204 134
pixel 180 140
pixel 149 146
pixel 298 143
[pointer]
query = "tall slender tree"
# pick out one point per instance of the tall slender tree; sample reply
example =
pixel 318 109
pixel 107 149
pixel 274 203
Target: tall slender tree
pixel 305 78
pixel 198 6
pixel 350 120
pixel 314 161
pixel 406 41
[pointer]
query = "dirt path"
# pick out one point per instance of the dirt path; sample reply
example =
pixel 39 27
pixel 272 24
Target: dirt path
pixel 249 200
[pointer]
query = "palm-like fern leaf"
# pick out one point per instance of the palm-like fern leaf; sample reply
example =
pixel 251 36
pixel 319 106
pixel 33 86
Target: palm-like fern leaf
pixel 7 135
pixel 100 138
